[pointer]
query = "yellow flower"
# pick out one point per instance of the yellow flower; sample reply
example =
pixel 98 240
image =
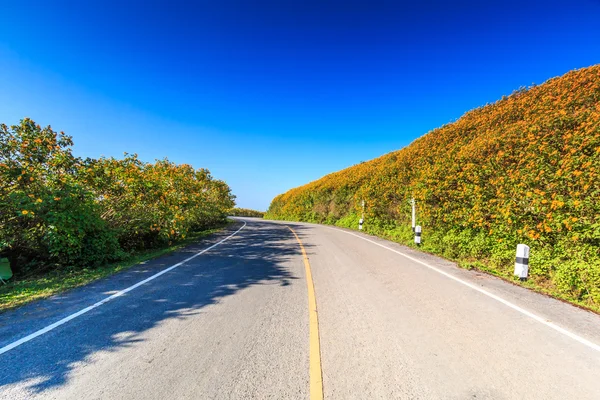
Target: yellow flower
pixel 56 198
pixel 25 212
pixel 39 201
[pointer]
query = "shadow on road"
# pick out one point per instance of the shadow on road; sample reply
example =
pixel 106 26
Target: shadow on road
pixel 255 257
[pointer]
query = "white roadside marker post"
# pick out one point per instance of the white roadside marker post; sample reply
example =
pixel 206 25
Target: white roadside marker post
pixel 522 261
pixel 361 221
pixel 418 235
pixel 414 214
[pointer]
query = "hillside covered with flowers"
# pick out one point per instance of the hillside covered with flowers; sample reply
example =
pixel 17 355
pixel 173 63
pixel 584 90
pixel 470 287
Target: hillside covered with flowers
pixel 522 170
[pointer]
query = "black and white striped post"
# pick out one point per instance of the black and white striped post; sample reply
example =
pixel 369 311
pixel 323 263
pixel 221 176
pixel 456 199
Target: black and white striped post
pixel 418 235
pixel 361 221
pixel 522 261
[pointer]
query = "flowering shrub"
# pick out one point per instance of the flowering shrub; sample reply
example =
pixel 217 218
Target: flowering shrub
pixel 522 170
pixel 152 204
pixel 57 210
pixel 246 212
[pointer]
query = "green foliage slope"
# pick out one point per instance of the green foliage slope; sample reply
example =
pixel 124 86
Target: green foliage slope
pixel 59 211
pixel 522 170
pixel 246 212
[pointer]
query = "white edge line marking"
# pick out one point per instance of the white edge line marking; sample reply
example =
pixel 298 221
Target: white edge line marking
pixel 114 296
pixel 485 292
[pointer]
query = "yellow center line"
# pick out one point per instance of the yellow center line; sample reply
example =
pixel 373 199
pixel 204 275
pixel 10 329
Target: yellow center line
pixel 315 374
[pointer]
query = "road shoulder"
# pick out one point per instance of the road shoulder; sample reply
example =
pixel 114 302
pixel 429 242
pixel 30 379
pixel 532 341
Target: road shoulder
pixel 37 314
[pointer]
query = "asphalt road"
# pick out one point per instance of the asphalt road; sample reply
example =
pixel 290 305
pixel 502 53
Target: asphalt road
pixel 233 322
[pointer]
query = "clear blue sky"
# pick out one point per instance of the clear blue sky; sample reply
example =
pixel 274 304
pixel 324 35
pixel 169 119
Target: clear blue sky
pixel 272 95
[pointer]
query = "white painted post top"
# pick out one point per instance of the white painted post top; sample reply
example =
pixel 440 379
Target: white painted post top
pixel 522 251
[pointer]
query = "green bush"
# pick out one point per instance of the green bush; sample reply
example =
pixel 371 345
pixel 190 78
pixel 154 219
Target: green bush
pixel 525 169
pixel 149 205
pixel 58 211
pixel 245 212
pixel 46 215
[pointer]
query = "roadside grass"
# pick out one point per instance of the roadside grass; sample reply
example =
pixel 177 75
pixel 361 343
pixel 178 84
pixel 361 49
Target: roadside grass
pixel 404 235
pixel 542 286
pixel 17 293
pixel 537 285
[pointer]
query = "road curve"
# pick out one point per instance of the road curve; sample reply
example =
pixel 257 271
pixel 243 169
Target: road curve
pixel 233 322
